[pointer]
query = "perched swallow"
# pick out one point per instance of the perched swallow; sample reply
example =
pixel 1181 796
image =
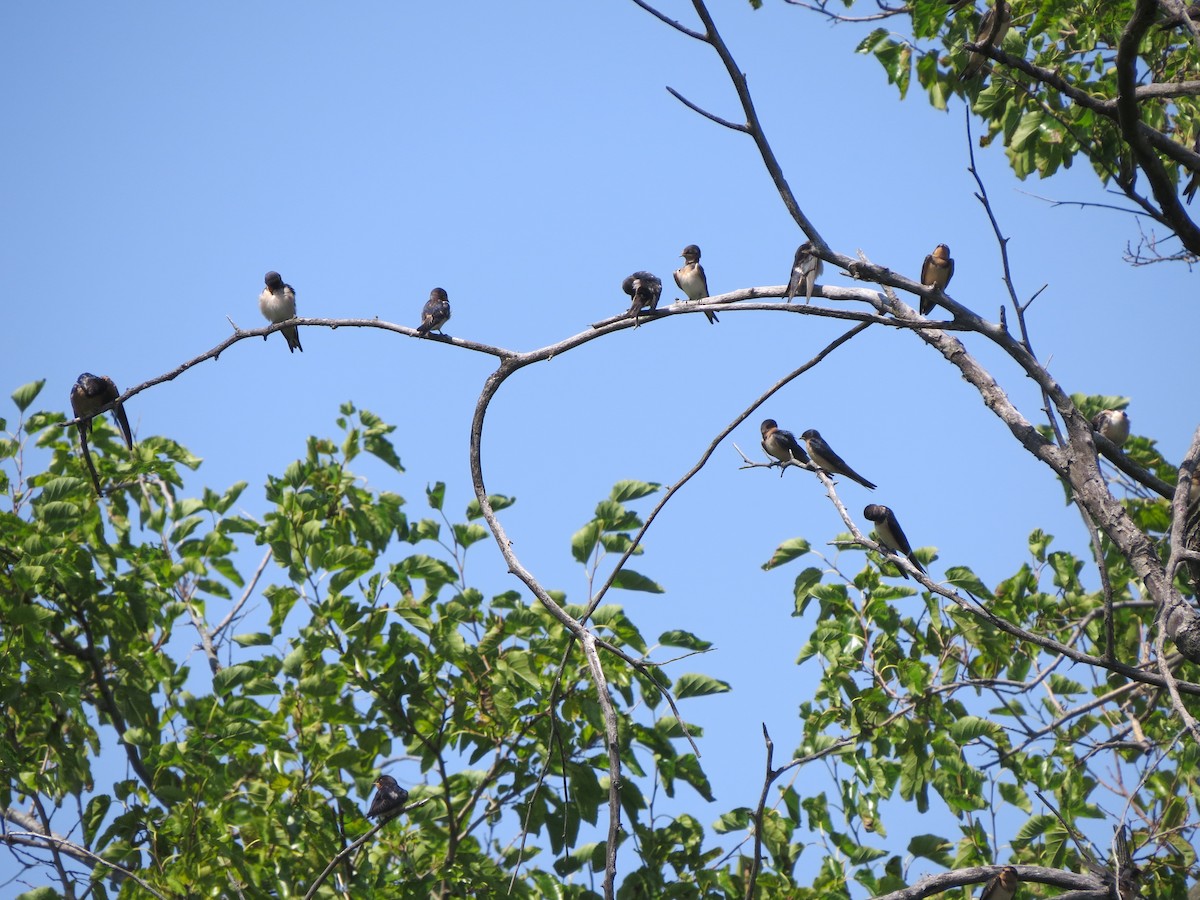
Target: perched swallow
pixel 92 393
pixel 389 799
pixel 806 268
pixel 278 303
pixel 992 29
pixel 936 271
pixel 1193 185
pixel 1002 885
pixel 690 277
pixel 891 535
pixel 823 455
pixel 1192 497
pixel 782 445
pixel 645 289
pixel 435 313
pixel 1112 424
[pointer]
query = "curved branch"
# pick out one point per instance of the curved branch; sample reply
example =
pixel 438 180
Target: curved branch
pixel 707 454
pixel 37 839
pixel 1089 887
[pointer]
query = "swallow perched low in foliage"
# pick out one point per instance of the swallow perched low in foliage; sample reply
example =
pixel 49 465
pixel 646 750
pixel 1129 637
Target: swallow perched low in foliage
pixel 435 313
pixel 89 395
pixel 992 29
pixel 690 277
pixel 936 271
pixel 891 535
pixel 389 798
pixel 644 289
pixel 822 454
pixel 782 445
pixel 1112 424
pixel 806 269
pixel 277 303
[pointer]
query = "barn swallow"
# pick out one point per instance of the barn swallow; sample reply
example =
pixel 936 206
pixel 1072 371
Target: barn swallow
pixel 782 445
pixel 891 535
pixel 92 393
pixel 435 313
pixel 823 455
pixel 806 269
pixel 690 277
pixel 1112 424
pixel 1192 496
pixel 1002 885
pixel 389 799
pixel 645 289
pixel 278 303
pixel 1193 185
pixel 992 29
pixel 936 271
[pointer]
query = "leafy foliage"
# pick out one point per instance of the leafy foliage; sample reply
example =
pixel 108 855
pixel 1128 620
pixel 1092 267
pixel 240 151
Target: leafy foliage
pixel 248 775
pixel 252 770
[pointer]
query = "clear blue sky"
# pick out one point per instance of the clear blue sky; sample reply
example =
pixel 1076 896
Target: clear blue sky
pixel 159 158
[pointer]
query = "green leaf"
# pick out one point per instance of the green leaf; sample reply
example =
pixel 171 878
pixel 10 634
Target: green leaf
pixel 93 817
pixel 496 501
pixel 436 495
pixel 632 490
pixel 629 580
pixel 734 820
pixel 968 728
pixel 255 639
pixel 786 552
pixel 933 847
pixel 807 586
pixel 695 685
pixel 684 639
pixel 27 393
pixel 583 542
pixel 965 580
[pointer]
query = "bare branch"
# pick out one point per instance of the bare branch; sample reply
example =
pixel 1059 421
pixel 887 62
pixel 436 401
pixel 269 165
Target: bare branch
pixel 704 112
pixel 34 837
pixel 682 29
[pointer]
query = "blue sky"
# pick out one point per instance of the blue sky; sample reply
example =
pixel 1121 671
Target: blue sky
pixel 159 158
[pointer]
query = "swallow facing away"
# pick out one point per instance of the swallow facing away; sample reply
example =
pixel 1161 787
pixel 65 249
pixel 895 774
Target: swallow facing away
pixel 435 313
pixel 277 303
pixel 806 269
pixel 645 289
pixel 936 271
pixel 1002 885
pixel 389 798
pixel 992 29
pixel 782 445
pixel 891 535
pixel 1112 424
pixel 89 395
pixel 823 455
pixel 690 278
